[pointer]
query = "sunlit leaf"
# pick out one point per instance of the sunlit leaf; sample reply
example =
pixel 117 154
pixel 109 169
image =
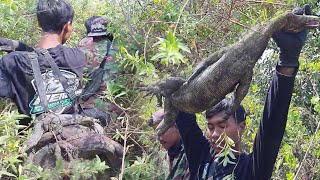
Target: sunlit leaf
pixel 7 174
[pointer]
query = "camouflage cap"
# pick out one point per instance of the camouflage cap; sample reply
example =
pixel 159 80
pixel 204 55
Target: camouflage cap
pixel 156 118
pixel 96 26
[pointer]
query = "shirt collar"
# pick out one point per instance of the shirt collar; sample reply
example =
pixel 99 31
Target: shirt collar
pixel 175 150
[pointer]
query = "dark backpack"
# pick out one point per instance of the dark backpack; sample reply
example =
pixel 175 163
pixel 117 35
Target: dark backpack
pixel 56 90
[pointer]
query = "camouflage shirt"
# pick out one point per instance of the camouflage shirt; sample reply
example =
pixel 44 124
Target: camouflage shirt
pixel 95 52
pixel 178 164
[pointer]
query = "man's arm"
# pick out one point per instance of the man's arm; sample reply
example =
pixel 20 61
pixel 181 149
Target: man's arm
pixel 272 125
pixel 274 118
pixel 197 147
pixel 13 45
pixel 24 47
pixel 5 82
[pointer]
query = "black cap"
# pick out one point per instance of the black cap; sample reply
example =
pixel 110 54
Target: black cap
pixel 96 26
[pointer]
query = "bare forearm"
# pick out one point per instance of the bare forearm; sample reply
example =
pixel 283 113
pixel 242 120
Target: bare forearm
pixel 287 71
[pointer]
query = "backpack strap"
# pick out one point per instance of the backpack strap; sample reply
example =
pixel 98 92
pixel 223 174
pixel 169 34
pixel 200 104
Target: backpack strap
pixel 103 63
pixel 63 80
pixel 33 57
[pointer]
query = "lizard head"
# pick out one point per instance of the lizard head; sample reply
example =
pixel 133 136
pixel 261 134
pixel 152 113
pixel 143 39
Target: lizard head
pixel 293 22
pixel 296 23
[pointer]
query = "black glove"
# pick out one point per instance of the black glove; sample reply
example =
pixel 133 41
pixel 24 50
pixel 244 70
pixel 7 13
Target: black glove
pixel 8 44
pixel 290 44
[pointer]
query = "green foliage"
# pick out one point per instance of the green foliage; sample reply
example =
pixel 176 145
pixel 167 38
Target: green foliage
pixel 11 142
pixel 87 169
pixel 169 50
pixel 78 169
pixel 227 152
pixel 135 63
pixel 140 169
pixel 149 50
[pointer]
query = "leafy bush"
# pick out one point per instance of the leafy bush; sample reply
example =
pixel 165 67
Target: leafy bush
pixel 150 51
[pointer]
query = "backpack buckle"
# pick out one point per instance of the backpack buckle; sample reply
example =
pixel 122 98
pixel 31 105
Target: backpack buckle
pixel 71 93
pixel 43 51
pixel 32 56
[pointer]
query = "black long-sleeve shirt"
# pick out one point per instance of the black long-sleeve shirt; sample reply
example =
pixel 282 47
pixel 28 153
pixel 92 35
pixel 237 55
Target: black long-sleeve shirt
pixel 257 165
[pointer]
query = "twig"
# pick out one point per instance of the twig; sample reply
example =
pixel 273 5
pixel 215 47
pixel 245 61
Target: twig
pixel 145 44
pixel 144 151
pixel 165 22
pixel 233 21
pixel 226 18
pixel 127 17
pixel 125 148
pixel 231 8
pixel 266 2
pixel 181 11
pixel 131 132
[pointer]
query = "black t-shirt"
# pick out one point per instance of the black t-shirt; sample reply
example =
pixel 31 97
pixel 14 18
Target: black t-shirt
pixel 16 67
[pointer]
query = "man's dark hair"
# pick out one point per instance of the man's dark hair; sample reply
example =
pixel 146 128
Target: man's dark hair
pixel 53 15
pixel 225 105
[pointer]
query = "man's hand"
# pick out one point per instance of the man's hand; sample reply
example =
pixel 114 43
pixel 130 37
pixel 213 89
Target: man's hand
pixel 8 45
pixel 290 44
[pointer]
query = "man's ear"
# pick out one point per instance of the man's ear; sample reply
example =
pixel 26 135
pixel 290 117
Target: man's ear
pixel 242 127
pixel 66 32
pixel 68 27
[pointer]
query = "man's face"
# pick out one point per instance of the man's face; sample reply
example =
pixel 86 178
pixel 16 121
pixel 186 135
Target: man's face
pixel 216 126
pixel 170 138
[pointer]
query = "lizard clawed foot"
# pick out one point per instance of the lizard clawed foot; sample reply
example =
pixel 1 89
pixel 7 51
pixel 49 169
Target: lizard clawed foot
pixel 68 148
pixel 163 88
pixel 153 91
pixel 159 100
